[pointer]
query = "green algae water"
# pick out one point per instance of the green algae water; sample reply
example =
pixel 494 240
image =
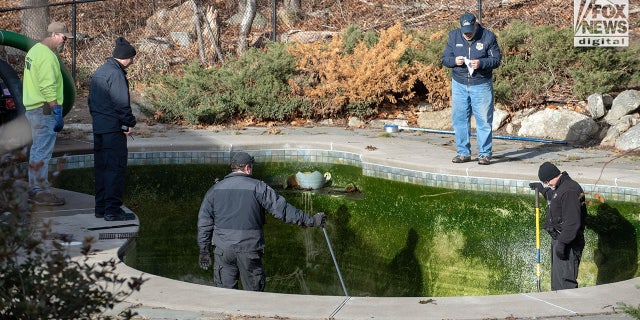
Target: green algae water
pixel 390 238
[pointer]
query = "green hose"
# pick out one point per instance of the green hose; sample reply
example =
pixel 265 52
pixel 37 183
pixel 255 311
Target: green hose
pixel 24 43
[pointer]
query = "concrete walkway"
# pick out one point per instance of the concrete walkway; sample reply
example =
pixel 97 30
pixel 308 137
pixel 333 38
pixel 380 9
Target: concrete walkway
pixel 162 298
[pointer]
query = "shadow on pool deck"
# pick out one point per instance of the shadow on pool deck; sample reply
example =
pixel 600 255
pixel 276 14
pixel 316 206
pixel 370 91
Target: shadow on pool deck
pixel 162 298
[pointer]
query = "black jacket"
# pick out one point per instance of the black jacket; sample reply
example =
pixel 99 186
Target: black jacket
pixel 233 213
pixel 566 211
pixel 109 100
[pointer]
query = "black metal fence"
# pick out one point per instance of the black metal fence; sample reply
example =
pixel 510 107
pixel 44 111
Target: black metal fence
pixel 171 32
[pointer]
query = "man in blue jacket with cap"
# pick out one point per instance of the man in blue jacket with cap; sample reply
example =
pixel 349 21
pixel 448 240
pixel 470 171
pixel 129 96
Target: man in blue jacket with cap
pixel 472 53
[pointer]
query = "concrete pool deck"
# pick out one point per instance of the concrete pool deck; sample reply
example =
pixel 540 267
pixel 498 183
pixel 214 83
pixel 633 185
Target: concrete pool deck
pixel 162 298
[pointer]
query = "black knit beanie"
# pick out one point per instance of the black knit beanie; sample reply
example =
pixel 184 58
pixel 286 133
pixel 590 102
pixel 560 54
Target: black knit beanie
pixel 123 49
pixel 548 171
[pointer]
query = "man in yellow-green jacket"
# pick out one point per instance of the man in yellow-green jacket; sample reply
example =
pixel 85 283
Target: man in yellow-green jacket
pixel 43 97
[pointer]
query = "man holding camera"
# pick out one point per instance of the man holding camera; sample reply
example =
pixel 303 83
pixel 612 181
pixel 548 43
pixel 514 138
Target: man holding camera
pixel 231 218
pixel 113 120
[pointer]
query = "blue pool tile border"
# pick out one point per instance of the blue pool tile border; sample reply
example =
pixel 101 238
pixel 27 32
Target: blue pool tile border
pixel 449 181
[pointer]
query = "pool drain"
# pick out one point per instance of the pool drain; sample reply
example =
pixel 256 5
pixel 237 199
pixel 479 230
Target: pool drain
pixel 117 235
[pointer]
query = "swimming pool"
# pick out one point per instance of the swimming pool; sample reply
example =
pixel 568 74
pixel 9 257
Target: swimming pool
pixel 407 249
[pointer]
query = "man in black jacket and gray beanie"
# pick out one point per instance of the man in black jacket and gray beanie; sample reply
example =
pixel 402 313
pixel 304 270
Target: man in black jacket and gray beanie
pixel 565 221
pixel 113 120
pixel 231 218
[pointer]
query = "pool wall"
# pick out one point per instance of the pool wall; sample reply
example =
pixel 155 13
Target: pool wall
pixel 432 179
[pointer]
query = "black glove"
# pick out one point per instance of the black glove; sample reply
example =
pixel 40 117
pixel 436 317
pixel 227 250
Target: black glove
pixel 536 186
pixel 205 260
pixel 57 113
pixel 319 219
pixel 561 251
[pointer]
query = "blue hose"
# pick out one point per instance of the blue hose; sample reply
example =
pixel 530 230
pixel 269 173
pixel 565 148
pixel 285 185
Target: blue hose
pixel 495 137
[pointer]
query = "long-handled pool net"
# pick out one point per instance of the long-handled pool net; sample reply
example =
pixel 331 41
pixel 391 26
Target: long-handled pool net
pixel 333 256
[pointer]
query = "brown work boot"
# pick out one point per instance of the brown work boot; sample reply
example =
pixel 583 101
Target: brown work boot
pixel 484 160
pixel 461 159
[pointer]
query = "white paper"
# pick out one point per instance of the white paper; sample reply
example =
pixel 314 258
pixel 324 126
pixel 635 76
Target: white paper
pixel 469 67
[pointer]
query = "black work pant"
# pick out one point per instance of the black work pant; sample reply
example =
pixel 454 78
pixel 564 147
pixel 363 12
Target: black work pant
pixel 110 168
pixel 564 273
pixel 229 265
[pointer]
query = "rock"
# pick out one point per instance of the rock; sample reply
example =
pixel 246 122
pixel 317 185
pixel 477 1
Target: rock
pixel 437 120
pixel 307 36
pixel 520 115
pixel 380 123
pixel 559 125
pixel 181 38
pixel 355 122
pixel 607 99
pixel 509 128
pixel 326 122
pixel 259 21
pixel 441 119
pixel 630 139
pixel 595 106
pixel 625 103
pixel 618 129
pixel 178 19
pixel 499 117
pixel 153 45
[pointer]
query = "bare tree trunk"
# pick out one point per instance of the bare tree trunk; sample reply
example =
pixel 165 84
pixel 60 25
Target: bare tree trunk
pixel 212 28
pixel 203 54
pixel 35 21
pixel 245 26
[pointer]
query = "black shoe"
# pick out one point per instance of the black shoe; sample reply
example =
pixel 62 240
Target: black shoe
pixel 99 215
pixel 461 159
pixel 120 216
pixel 484 160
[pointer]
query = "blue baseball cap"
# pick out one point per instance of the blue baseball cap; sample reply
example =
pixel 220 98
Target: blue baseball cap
pixel 467 23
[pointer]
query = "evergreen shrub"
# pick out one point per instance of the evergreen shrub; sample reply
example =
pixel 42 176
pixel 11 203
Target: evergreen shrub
pixel 357 72
pixel 253 85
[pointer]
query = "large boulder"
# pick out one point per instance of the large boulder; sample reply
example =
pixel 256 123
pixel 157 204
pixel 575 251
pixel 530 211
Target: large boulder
pixel 617 129
pixel 625 103
pixel 438 120
pixel 441 119
pixel 630 139
pixel 559 125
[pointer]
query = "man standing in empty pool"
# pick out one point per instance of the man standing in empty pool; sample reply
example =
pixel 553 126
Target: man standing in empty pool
pixel 231 218
pixel 565 221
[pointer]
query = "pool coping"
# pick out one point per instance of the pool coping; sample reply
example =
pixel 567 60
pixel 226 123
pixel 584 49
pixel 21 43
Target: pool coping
pixel 170 296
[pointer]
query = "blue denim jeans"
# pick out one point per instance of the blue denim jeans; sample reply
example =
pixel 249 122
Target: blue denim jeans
pixel 476 100
pixel 44 139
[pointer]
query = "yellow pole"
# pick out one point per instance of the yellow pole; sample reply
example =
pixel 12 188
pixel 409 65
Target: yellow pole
pixel 538 237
